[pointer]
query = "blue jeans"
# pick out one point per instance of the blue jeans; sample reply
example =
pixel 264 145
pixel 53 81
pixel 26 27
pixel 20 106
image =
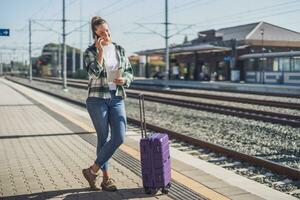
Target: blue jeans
pixel 107 114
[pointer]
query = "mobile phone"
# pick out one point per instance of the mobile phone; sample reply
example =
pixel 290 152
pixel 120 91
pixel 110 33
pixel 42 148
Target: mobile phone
pixel 97 36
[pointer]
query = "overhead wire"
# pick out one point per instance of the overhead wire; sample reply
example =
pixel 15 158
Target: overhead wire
pixel 247 12
pixel 227 19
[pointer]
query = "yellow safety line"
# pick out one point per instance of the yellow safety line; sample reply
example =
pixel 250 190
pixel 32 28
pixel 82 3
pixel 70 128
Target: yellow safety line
pixel 188 182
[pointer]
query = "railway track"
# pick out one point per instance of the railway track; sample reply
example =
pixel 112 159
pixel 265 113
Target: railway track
pixel 225 157
pixel 214 97
pixel 158 87
pixel 266 116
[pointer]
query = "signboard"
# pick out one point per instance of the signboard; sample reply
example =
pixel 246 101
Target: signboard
pixel 4 32
pixel 227 58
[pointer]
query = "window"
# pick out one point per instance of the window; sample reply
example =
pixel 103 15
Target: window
pixel 262 64
pixel 295 64
pixel 269 64
pixel 276 65
pixel 284 64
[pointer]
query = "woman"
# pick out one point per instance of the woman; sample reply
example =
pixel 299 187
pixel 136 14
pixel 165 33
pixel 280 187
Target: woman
pixel 105 102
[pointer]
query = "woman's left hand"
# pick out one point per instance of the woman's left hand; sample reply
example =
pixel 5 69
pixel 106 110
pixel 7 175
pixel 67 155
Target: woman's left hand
pixel 120 81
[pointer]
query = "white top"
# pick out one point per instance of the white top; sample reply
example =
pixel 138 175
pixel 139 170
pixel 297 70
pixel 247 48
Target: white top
pixel 111 61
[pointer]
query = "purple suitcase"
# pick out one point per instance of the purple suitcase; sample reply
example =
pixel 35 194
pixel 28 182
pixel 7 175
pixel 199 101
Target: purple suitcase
pixel 155 157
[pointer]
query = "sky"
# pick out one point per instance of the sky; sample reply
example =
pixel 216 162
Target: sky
pixel 135 24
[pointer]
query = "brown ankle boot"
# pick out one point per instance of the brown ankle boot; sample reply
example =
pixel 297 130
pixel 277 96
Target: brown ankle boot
pixel 91 178
pixel 108 184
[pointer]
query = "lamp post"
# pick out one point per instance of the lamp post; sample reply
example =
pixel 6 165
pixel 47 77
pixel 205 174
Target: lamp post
pixel 262 32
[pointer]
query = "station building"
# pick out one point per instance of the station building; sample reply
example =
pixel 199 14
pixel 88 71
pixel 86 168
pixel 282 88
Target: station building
pixel 256 53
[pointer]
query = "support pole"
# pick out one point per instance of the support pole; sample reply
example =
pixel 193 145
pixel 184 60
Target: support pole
pixel 73 61
pixel 167 47
pixel 64 49
pixel 30 63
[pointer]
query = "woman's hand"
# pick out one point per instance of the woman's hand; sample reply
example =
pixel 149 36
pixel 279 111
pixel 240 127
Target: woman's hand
pixel 99 46
pixel 120 81
pixel 98 43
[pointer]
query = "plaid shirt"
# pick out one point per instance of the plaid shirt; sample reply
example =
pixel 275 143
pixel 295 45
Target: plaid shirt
pixel 98 85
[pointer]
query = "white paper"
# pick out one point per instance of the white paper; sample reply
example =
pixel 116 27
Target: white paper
pixel 112 75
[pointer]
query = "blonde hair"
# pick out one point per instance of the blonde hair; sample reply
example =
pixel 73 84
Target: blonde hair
pixel 95 22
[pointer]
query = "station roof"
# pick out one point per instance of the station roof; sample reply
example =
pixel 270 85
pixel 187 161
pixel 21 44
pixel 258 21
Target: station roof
pixel 237 32
pixel 254 31
pixel 250 34
pixel 270 55
pixel 184 49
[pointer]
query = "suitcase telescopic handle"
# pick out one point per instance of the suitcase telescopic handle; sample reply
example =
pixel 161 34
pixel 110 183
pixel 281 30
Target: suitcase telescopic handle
pixel 142 115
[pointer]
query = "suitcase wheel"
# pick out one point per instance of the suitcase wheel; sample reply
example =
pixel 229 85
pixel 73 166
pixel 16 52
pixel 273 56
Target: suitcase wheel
pixel 147 190
pixel 168 185
pixel 165 190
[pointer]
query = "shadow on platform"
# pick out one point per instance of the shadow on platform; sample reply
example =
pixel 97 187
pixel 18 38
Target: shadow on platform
pixel 84 193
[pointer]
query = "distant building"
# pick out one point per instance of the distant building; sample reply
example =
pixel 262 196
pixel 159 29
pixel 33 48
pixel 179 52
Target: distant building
pixel 258 52
pixel 142 67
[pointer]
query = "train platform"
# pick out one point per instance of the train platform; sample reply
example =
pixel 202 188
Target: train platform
pixel 46 142
pixel 224 86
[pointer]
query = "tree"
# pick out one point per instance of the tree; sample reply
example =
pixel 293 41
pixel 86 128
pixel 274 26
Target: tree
pixel 185 40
